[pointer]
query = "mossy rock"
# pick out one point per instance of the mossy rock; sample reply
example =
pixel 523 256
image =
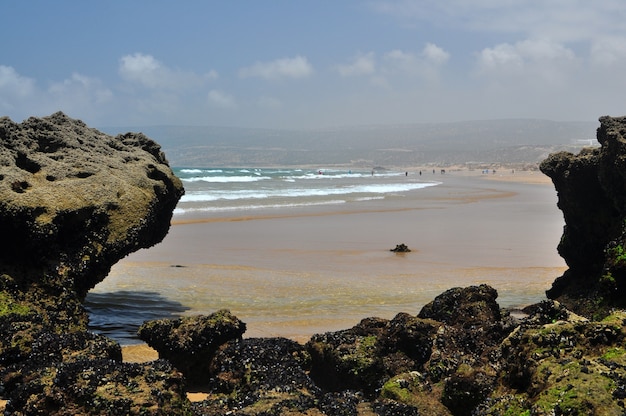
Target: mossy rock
pixel 414 389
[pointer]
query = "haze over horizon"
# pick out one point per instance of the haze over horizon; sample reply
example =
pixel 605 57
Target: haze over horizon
pixel 312 64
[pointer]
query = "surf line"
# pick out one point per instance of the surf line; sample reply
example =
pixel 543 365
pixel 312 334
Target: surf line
pixel 464 198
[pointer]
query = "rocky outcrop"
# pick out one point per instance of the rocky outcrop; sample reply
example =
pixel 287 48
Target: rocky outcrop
pixel 74 201
pixel 190 343
pixel 591 189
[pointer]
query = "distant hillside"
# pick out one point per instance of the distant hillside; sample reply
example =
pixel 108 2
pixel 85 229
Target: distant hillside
pixel 495 142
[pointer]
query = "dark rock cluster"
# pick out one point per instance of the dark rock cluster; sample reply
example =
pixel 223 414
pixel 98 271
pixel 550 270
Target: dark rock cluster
pixel 591 188
pixel 461 355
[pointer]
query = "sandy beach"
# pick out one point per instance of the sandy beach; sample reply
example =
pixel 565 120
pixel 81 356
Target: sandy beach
pixel 298 272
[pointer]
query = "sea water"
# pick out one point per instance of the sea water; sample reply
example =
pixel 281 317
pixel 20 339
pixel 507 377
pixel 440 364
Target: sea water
pixel 223 190
pixel 214 192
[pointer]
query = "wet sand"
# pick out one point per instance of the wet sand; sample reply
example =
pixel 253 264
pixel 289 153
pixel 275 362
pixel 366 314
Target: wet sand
pixel 302 271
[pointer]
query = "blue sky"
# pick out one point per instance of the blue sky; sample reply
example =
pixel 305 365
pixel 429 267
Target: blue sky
pixel 310 64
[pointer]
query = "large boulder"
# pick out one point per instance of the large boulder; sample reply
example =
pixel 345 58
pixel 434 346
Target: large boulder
pixel 591 190
pixel 74 201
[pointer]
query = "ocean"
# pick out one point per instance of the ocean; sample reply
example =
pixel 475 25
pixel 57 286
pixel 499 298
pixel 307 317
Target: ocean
pixel 293 252
pixel 237 191
pixel 227 190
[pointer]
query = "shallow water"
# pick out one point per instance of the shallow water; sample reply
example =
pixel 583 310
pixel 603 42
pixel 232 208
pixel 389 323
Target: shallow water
pixel 291 304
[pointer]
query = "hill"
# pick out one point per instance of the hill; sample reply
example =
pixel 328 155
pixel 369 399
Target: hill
pixel 491 142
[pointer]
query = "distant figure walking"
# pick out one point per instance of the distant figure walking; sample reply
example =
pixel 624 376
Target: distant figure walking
pixel 406 173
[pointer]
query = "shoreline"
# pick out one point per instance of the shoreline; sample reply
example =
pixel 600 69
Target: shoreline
pixel 472 228
pixel 141 352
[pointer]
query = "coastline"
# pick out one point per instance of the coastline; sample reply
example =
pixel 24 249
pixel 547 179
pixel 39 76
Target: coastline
pixel 501 229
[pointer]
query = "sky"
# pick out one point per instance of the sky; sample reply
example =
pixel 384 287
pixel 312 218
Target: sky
pixel 305 64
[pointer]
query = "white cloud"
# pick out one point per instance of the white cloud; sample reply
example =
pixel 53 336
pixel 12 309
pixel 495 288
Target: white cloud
pixel 424 65
pixel 363 64
pixel 298 67
pixel 13 84
pixel 539 59
pixel 562 21
pixel 80 89
pixel 221 100
pixel 151 73
pixel 435 54
pixel 503 55
pixel 609 51
pixel 405 60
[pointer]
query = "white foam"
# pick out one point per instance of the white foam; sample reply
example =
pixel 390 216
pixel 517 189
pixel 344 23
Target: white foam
pixel 225 179
pixel 201 170
pixel 182 211
pixel 207 196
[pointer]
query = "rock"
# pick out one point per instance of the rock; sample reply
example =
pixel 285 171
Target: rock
pixel 443 361
pixel 565 367
pixel 190 343
pixel 466 349
pixel 102 387
pixel 82 373
pixel 49 349
pixel 349 359
pixel 471 306
pixel 591 193
pixel 401 248
pixel 74 201
pixel 267 371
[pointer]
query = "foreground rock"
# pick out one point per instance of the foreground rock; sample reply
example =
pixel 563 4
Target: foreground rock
pixel 74 201
pixel 592 195
pixel 190 343
pixel 461 355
